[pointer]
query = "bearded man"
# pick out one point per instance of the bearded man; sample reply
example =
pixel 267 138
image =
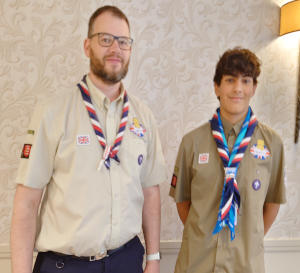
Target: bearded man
pixel 96 155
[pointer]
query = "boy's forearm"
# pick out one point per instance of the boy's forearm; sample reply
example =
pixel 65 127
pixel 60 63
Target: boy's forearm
pixel 270 212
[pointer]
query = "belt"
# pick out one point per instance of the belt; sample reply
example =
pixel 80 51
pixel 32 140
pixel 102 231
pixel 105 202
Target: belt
pixel 90 258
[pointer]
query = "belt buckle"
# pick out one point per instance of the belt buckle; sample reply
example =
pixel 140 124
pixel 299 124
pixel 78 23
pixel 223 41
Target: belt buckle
pixel 98 256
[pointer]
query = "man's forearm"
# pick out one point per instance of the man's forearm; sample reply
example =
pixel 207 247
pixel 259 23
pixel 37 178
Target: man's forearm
pixel 23 231
pixel 151 219
pixel 151 225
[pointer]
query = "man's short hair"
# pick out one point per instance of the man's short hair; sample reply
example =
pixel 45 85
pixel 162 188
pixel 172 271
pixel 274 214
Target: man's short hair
pixel 237 61
pixel 112 9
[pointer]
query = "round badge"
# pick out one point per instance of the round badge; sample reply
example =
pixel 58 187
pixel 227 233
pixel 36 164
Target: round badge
pixel 140 159
pixel 256 184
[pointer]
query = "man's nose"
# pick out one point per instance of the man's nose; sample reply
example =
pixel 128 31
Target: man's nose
pixel 115 45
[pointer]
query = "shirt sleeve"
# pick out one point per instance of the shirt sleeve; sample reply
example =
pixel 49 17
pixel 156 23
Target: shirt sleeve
pixel 180 188
pixel 154 172
pixel 276 190
pixel 38 153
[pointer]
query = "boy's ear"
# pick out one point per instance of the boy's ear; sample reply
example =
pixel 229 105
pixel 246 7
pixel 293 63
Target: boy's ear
pixel 217 90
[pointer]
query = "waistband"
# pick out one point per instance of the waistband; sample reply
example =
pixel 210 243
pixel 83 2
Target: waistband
pixel 92 258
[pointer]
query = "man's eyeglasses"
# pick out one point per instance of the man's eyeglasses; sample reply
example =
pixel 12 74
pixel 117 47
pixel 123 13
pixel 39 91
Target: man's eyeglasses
pixel 106 40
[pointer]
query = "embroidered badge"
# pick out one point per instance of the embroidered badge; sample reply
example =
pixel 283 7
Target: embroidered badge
pixel 256 184
pixel 83 139
pixel 26 151
pixel 203 158
pixel 174 181
pixel 259 150
pixel 137 128
pixel 30 132
pixel 140 159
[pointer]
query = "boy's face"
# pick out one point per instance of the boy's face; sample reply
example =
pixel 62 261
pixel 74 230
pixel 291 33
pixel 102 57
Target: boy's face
pixel 235 93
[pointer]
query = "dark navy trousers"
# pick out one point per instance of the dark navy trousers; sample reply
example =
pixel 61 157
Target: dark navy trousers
pixel 127 260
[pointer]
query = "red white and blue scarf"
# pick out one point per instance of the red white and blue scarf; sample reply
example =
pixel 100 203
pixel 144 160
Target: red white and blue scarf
pixel 108 151
pixel 230 201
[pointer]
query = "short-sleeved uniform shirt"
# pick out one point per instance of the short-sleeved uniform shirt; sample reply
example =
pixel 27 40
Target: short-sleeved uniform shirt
pixel 199 177
pixel 86 211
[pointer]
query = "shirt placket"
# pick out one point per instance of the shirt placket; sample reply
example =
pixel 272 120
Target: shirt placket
pixel 224 236
pixel 111 131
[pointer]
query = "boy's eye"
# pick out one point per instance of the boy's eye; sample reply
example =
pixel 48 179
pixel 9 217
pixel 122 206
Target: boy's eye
pixel 246 80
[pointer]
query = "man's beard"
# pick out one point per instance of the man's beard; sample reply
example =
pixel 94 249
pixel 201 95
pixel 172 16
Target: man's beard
pixel 98 68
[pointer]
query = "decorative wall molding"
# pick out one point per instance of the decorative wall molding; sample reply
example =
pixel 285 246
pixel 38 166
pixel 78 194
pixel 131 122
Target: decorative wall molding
pixel 172 247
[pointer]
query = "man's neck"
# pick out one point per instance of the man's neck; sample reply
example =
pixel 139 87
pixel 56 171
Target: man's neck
pixel 233 119
pixel 112 91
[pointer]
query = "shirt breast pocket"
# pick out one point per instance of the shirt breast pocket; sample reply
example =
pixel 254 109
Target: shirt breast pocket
pixel 133 153
pixel 208 176
pixel 256 174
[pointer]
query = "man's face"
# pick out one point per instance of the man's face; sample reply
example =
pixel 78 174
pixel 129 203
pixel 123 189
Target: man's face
pixel 110 64
pixel 235 93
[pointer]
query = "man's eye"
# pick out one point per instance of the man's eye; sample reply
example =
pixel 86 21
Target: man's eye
pixel 123 42
pixel 106 40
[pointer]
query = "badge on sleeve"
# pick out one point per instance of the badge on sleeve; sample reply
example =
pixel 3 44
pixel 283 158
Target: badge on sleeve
pixel 26 151
pixel 259 150
pixel 174 181
pixel 137 128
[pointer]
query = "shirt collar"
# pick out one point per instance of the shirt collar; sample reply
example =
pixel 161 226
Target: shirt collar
pixel 228 126
pixel 99 98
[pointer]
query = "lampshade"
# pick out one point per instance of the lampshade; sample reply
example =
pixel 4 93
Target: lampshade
pixel 290 17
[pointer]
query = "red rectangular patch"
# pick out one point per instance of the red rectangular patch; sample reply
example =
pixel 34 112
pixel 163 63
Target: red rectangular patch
pixel 26 151
pixel 174 181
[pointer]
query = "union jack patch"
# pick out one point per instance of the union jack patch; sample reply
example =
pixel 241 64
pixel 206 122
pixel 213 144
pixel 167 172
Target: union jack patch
pixel 260 151
pixel 83 140
pixel 26 151
pixel 174 181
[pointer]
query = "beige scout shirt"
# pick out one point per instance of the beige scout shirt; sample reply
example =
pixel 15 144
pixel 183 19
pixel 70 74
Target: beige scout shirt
pixel 200 180
pixel 86 211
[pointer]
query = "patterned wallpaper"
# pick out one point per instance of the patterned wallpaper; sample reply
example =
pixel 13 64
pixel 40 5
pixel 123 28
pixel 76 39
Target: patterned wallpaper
pixel 177 44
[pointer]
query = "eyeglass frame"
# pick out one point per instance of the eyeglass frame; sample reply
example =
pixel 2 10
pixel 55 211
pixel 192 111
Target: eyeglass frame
pixel 114 38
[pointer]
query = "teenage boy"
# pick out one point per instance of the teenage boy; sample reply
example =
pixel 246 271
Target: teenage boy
pixel 228 180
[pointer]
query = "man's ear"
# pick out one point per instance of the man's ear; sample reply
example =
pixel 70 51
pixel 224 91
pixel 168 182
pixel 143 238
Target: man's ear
pixel 86 47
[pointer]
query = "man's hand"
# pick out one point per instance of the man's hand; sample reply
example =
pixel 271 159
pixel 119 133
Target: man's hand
pixel 152 267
